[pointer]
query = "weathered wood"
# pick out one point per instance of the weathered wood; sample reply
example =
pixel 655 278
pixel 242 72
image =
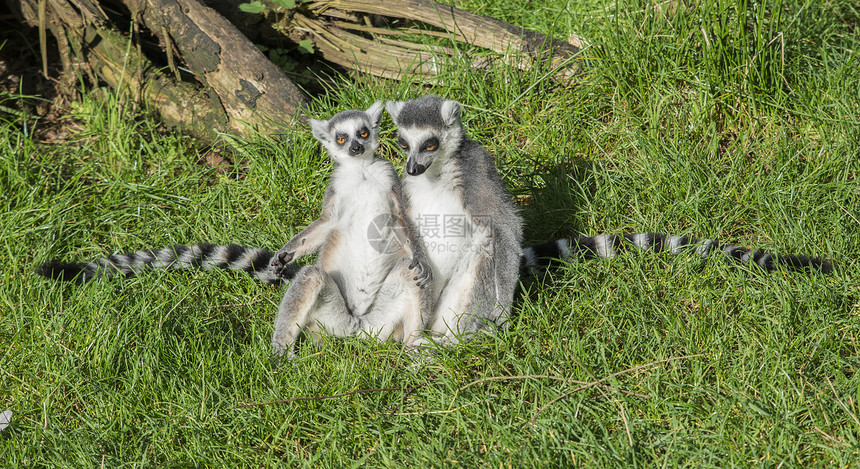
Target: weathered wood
pixel 251 89
pixel 482 31
pixel 368 55
pixel 242 91
pixel 521 47
pixel 237 89
pixel 341 34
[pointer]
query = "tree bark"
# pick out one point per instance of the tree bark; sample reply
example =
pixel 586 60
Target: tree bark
pixel 239 91
pixel 231 87
pixel 522 47
pixel 251 89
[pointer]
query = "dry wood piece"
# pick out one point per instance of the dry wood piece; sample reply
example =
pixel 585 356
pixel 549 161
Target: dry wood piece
pixel 238 90
pixel 340 32
pixel 222 83
pixel 251 89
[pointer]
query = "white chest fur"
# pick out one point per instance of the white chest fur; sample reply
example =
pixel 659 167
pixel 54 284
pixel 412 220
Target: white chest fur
pixel 447 230
pixel 357 263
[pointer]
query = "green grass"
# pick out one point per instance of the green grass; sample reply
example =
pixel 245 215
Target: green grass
pixel 751 136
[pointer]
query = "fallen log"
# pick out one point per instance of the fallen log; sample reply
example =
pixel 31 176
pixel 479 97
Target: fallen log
pixel 389 57
pixel 201 73
pixel 407 39
pixel 235 89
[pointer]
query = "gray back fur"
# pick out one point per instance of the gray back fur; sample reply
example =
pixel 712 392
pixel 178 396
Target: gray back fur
pixel 460 176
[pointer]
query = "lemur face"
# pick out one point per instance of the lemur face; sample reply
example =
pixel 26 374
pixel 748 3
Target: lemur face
pixel 352 137
pixel 350 134
pixel 429 130
pixel 421 145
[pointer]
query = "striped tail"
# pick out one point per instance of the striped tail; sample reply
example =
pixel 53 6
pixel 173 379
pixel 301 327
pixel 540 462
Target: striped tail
pixel 537 258
pixel 204 256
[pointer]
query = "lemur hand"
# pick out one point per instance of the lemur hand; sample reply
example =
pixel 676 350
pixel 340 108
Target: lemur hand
pixel 425 274
pixel 282 258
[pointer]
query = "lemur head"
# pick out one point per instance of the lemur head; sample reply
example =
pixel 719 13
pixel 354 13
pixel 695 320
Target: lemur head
pixel 350 134
pixel 429 130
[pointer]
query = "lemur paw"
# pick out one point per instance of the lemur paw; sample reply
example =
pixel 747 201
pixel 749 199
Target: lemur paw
pixel 425 274
pixel 282 352
pixel 281 259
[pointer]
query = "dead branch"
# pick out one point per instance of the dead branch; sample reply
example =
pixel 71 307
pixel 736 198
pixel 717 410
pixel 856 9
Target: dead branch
pixel 206 77
pixel 238 90
pixel 321 398
pixel 607 377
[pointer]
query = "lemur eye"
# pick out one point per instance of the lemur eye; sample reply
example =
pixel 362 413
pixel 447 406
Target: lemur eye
pixel 340 140
pixel 431 144
pixel 363 133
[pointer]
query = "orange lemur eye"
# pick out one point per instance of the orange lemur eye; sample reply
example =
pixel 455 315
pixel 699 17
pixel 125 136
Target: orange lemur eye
pixel 363 134
pixel 431 144
pixel 340 140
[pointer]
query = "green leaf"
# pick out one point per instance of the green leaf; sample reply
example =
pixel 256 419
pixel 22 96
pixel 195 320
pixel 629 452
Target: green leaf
pixel 252 7
pixel 285 4
pixel 306 46
pixel 281 58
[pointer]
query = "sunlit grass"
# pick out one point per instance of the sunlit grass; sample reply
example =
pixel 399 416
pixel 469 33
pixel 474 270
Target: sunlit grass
pixel 724 119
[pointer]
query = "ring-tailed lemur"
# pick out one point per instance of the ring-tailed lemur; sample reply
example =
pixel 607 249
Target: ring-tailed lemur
pixel 254 261
pixel 371 275
pixel 469 225
pixel 472 231
pixel 537 258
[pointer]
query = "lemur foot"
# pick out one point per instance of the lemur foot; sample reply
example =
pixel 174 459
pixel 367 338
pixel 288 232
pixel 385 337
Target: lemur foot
pixel 425 274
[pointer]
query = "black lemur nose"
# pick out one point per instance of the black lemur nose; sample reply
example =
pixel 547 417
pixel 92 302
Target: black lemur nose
pixel 414 169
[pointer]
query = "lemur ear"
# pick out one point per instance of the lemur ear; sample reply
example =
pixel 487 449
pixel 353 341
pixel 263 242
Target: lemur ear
pixel 450 112
pixel 394 108
pixel 374 112
pixel 320 130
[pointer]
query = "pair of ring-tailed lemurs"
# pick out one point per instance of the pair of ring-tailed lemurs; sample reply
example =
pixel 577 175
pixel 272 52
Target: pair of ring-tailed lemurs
pixel 406 278
pixel 372 274
pixel 437 253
